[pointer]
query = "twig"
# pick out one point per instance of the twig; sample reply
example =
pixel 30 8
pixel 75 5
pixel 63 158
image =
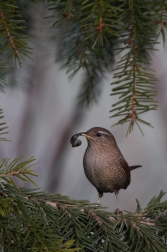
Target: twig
pixel 8 33
pixel 133 103
pixel 95 216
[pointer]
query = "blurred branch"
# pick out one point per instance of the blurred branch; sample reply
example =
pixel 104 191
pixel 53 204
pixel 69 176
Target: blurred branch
pixel 87 42
pixel 3 127
pixel 59 151
pixel 161 18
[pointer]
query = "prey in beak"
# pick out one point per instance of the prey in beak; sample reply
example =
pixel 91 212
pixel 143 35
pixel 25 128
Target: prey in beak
pixel 77 142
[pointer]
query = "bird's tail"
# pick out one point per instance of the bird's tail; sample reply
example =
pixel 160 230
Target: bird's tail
pixel 134 167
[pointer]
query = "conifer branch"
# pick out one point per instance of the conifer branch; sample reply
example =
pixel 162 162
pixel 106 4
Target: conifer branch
pixel 161 17
pixel 134 47
pixel 8 34
pixel 12 33
pixel 95 216
pixel 39 221
pixel 88 43
pixel 3 127
pixel 135 84
pixel 17 169
pixel 98 28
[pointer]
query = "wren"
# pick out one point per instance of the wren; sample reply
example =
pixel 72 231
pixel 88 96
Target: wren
pixel 104 164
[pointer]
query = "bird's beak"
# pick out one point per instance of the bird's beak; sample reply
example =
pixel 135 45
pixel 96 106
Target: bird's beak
pixel 85 135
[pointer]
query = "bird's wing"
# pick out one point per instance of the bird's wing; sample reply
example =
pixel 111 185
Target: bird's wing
pixel 124 165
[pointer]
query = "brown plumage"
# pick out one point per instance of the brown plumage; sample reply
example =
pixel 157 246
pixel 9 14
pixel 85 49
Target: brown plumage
pixel 104 164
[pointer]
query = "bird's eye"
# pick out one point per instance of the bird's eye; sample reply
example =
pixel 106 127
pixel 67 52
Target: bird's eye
pixel 98 134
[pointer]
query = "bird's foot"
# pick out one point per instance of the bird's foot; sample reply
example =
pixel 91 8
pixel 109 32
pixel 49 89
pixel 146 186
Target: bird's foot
pixel 117 211
pixel 98 202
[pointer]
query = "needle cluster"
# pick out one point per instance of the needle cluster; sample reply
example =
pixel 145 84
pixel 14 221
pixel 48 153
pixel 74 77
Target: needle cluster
pixel 97 34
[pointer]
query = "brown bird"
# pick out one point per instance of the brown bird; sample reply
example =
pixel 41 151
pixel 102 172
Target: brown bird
pixel 104 164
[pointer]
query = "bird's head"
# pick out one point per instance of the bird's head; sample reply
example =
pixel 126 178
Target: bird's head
pixel 98 136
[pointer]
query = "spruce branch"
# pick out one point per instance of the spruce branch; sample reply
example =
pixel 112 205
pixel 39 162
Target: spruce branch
pixel 161 17
pixel 15 168
pixel 3 127
pixel 135 84
pixel 39 220
pixel 87 42
pixel 129 27
pixel 13 41
pixel 9 35
pixel 47 224
pixel 140 227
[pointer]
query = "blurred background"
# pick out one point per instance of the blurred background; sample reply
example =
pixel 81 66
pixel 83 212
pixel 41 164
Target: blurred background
pixel 40 109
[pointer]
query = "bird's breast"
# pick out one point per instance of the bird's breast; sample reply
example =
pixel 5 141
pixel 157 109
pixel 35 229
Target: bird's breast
pixel 104 170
